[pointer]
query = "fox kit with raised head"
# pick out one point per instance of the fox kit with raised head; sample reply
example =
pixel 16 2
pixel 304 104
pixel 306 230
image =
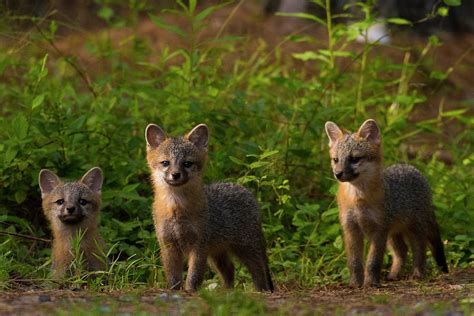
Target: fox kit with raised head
pixel 72 208
pixel 391 204
pixel 201 222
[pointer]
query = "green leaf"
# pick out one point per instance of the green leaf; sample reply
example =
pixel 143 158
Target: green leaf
pixel 268 154
pixel 192 6
pixel 439 75
pixel 206 12
pixel 237 161
pixel 453 113
pixel 453 3
pixel 10 154
pixel 443 11
pixel 106 13
pixel 301 15
pixel 19 127
pixel 53 27
pixel 399 21
pixel 202 15
pixel 37 101
pixel 258 164
pixel 172 28
pixel 434 40
pixel 130 187
pixel 338 243
pixel 309 55
pixel 20 196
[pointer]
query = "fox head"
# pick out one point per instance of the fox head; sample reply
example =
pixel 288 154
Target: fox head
pixel 176 161
pixel 354 155
pixel 71 203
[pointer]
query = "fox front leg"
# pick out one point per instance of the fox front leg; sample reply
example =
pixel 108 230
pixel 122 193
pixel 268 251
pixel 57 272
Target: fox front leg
pixel 196 269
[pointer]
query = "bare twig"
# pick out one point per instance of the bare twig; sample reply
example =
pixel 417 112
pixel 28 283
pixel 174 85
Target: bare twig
pixel 25 236
pixel 79 71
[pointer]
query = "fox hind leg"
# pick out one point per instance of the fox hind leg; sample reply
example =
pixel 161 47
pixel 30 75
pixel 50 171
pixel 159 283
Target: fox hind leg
pixel 418 246
pixel 223 265
pixel 256 263
pixel 399 250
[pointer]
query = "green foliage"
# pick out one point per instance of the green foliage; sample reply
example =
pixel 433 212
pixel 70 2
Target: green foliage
pixel 266 121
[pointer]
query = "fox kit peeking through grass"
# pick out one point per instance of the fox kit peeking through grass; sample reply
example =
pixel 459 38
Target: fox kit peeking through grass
pixel 72 209
pixel 392 203
pixel 201 222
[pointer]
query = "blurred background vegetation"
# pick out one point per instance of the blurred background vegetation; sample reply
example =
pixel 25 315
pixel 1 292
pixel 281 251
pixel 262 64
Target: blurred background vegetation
pixel 80 80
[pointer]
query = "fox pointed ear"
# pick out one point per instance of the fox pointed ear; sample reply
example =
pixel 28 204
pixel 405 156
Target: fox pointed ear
pixel 48 180
pixel 154 135
pixel 199 136
pixel 369 131
pixel 93 179
pixel 333 131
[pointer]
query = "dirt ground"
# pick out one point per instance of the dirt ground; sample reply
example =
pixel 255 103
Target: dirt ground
pixel 451 294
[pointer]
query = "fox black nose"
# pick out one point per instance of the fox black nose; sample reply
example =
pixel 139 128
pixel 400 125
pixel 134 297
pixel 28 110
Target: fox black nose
pixel 176 175
pixel 71 209
pixel 338 174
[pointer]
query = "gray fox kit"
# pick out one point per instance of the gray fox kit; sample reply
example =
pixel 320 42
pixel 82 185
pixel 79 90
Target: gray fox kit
pixel 391 204
pixel 72 207
pixel 201 222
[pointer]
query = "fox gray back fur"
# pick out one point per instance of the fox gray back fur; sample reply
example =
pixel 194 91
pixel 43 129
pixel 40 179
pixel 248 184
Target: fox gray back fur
pixel 202 223
pixel 393 204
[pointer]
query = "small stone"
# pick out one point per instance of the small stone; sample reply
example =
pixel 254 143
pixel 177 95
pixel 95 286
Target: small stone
pixel 105 308
pixel 44 298
pixel 175 297
pixel 125 298
pixel 163 296
pixel 212 286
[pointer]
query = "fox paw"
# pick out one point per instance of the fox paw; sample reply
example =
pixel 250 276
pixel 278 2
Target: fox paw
pixel 393 277
pixel 371 283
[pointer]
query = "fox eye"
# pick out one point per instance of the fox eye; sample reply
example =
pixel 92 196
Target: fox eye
pixel 188 164
pixel 336 160
pixel 83 202
pixel 165 163
pixel 60 202
pixel 354 159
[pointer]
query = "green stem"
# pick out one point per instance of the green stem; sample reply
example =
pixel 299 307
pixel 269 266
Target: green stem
pixel 363 64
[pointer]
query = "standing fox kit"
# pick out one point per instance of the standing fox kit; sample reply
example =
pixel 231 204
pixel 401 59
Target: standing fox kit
pixel 73 208
pixel 201 222
pixel 391 204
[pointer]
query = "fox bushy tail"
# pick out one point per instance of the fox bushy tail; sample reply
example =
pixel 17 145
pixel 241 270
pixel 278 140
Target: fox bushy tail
pixel 437 248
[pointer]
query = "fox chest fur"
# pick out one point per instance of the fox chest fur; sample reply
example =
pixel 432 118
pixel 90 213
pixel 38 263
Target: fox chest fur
pixel 180 222
pixel 359 208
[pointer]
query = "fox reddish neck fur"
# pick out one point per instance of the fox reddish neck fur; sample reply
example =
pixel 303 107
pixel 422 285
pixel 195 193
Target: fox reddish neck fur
pixel 73 207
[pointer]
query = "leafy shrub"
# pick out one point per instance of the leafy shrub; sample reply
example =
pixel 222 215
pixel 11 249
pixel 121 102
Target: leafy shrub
pixel 266 122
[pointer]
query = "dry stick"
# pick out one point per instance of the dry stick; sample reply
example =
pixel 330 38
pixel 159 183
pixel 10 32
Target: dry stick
pixel 231 15
pixel 456 63
pixel 79 71
pixel 25 236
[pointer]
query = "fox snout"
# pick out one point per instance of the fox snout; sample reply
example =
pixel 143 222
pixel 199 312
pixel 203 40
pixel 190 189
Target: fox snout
pixel 345 175
pixel 176 177
pixel 71 215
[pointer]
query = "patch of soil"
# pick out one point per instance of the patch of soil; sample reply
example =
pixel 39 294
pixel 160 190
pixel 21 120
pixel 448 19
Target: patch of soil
pixel 450 294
